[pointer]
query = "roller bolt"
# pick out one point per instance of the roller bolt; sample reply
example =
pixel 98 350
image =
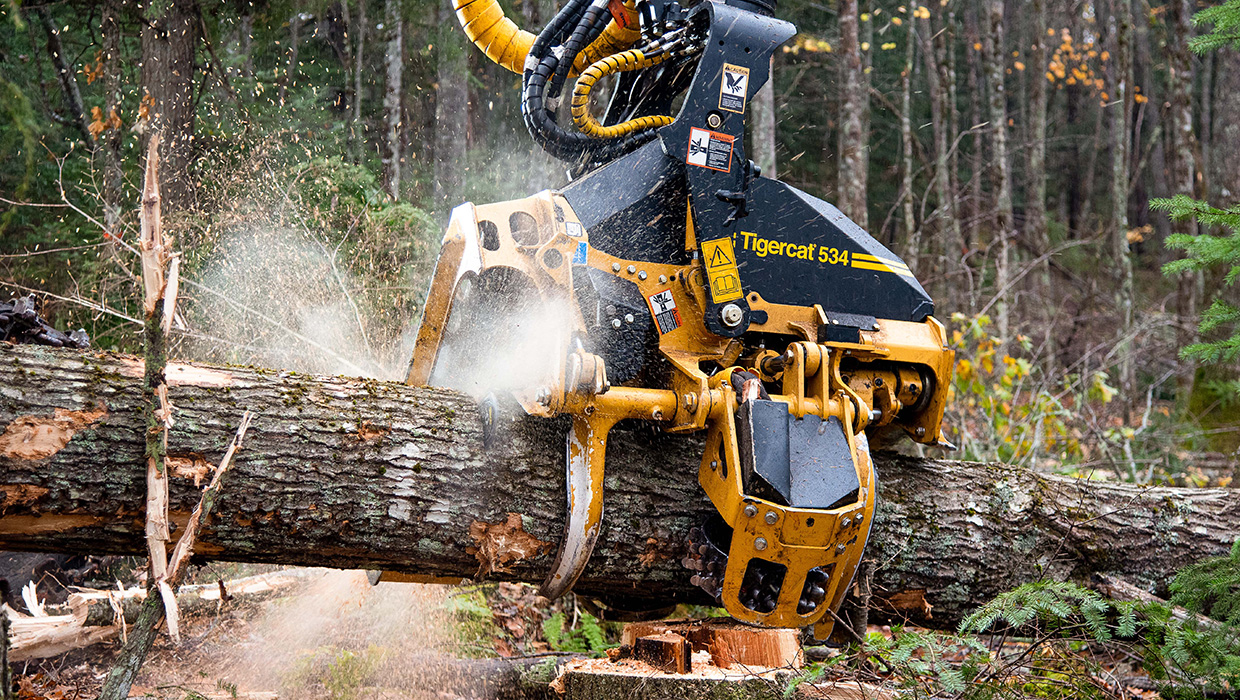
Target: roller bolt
pixel 732 315
pixel 759 544
pixel 751 510
pixel 771 517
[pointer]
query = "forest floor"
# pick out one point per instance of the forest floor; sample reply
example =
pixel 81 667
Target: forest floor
pixel 340 638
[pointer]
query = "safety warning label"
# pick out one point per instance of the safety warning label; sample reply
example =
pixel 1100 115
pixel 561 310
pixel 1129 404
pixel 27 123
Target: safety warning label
pixel 720 260
pixel 733 88
pixel 710 149
pixel 663 306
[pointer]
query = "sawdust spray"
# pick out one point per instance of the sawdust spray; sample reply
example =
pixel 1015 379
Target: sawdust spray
pixel 343 637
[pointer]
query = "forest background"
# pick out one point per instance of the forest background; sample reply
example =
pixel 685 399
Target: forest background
pixel 1008 150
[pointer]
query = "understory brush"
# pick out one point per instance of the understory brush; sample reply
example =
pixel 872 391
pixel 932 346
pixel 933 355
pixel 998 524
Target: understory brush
pixel 1056 639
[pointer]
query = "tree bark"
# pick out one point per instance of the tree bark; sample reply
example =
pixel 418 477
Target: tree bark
pixel 357 136
pixel 357 473
pixel 1183 170
pixel 763 111
pixel 993 59
pixel 392 25
pixel 1120 112
pixel 945 214
pixel 169 42
pixel 451 112
pixel 852 138
pixel 1035 194
pixel 912 234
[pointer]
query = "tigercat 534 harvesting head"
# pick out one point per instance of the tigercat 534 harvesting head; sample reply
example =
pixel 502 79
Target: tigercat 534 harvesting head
pixel 689 291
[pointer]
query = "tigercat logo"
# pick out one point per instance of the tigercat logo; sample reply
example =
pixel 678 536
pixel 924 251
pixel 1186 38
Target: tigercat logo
pixel 823 255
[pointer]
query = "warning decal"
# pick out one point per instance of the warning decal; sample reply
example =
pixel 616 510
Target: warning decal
pixel 581 254
pixel 710 149
pixel 663 306
pixel 733 88
pixel 574 229
pixel 720 260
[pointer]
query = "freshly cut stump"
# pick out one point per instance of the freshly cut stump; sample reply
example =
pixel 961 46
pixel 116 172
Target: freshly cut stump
pixel 729 642
pixel 669 652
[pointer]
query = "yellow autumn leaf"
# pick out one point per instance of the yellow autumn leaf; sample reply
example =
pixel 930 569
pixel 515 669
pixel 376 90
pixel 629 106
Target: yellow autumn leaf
pixel 889 46
pixel 865 46
pixel 897 21
pixel 1019 65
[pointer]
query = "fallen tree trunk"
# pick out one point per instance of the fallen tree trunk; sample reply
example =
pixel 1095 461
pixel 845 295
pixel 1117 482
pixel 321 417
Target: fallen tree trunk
pixel 358 473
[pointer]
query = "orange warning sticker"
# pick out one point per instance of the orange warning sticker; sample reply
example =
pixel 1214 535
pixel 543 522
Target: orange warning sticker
pixel 710 149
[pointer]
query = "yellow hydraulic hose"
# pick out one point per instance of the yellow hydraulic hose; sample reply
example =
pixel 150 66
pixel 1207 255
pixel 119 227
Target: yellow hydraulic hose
pixel 616 63
pixel 507 44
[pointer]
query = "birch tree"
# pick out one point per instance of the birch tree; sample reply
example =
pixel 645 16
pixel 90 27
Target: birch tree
pixel 1001 180
pixel 852 138
pixel 1120 110
pixel 392 26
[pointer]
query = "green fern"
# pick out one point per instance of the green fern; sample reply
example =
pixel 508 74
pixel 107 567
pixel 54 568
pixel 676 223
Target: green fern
pixel 1050 605
pixel 588 638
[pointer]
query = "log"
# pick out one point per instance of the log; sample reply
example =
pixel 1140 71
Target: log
pixel 359 473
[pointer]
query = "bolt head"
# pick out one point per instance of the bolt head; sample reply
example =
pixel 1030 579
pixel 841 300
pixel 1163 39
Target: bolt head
pixel 840 549
pixel 662 279
pixel 751 510
pixel 713 120
pixel 714 465
pixel 632 269
pixel 771 517
pixel 615 267
pixel 759 544
pixel 641 275
pixel 615 323
pixel 628 318
pixel 732 315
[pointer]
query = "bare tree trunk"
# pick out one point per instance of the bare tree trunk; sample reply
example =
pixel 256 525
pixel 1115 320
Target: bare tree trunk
pixel 763 116
pixel 355 473
pixel 1120 111
pixel 358 135
pixel 852 139
pixel 1035 189
pixel 451 112
pixel 1183 169
pixel 973 194
pixel 286 80
pixel 392 25
pixel 944 216
pixel 113 175
pixel 993 58
pixel 75 111
pixel 912 234
pixel 1227 177
pixel 169 42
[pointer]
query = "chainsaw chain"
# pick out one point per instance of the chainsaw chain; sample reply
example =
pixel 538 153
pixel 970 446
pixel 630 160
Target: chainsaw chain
pixel 761 585
pixel 20 323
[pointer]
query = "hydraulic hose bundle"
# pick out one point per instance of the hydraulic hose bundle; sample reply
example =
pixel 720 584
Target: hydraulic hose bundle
pixel 591 38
